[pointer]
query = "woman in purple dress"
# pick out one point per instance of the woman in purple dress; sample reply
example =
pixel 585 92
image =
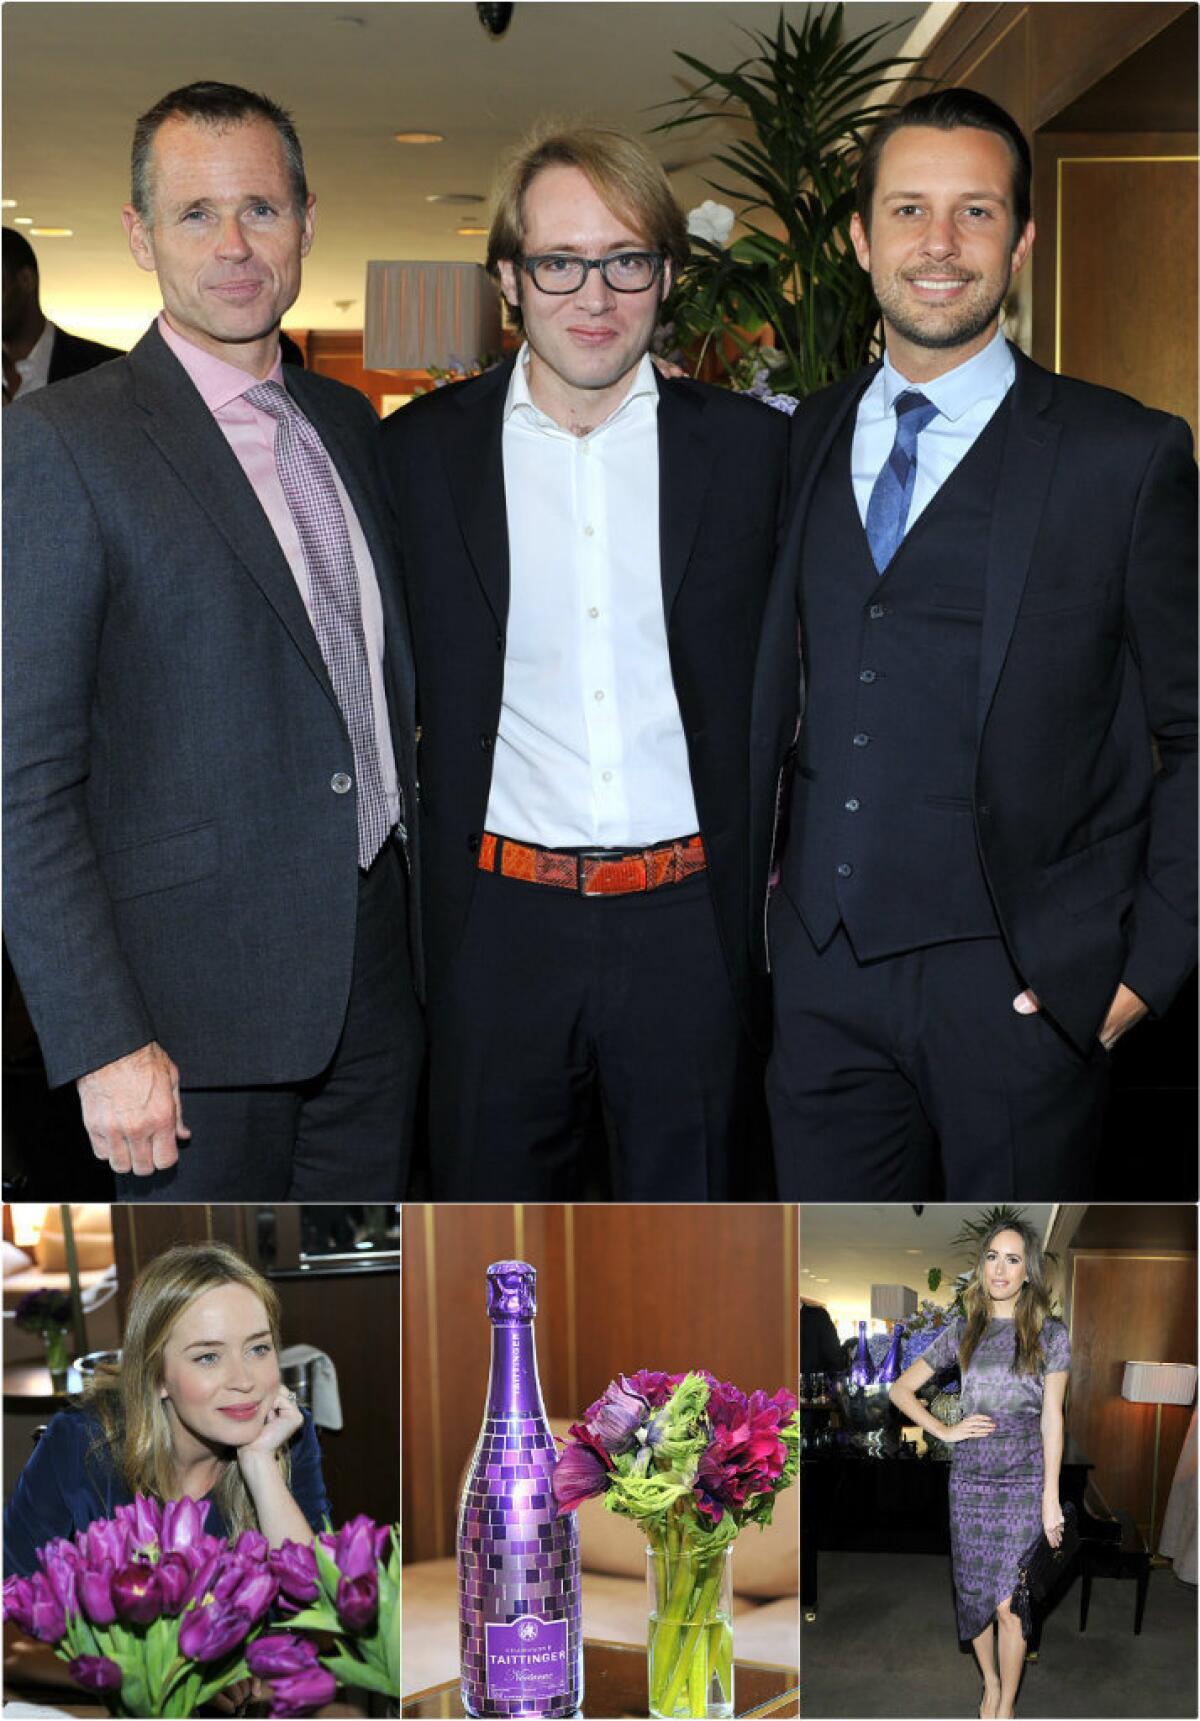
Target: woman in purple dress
pixel 1014 1357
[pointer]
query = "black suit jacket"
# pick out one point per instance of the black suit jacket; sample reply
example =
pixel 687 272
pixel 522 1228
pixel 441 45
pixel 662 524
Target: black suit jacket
pixel 722 467
pixel 177 864
pixel 1085 770
pixel 71 355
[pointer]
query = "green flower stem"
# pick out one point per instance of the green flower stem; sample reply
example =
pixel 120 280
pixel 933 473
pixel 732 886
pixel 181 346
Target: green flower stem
pixel 703 1602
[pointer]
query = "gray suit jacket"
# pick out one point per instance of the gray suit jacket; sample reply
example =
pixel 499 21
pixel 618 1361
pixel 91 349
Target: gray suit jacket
pixel 177 864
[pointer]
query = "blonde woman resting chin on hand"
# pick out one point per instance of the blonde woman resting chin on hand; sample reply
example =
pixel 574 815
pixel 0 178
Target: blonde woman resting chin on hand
pixel 1007 1450
pixel 195 1411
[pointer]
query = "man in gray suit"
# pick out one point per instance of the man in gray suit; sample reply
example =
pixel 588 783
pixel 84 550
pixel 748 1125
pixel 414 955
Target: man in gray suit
pixel 209 712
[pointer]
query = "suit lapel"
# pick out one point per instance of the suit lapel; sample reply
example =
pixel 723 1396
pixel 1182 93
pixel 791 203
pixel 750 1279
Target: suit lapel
pixel 472 453
pixel 685 459
pixel 1026 470
pixel 811 445
pixel 186 435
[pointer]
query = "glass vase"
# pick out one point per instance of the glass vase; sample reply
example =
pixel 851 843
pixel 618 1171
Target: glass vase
pixel 690 1635
pixel 57 1359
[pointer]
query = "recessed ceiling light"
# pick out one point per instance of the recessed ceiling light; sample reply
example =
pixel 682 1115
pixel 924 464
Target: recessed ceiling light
pixel 53 232
pixel 470 232
pixel 818 1280
pixel 22 220
pixel 418 137
pixel 454 197
pixel 8 203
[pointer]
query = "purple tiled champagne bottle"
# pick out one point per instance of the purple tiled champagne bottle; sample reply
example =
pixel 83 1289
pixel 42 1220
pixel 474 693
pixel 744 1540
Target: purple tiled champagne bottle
pixel 520 1637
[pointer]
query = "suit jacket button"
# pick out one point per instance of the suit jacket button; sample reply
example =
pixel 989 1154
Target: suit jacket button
pixel 486 742
pixel 340 783
pixel 844 869
pixel 875 612
pixel 473 844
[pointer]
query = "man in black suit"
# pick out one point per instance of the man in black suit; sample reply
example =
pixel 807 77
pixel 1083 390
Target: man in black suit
pixel 35 351
pixel 987 872
pixel 586 551
pixel 209 712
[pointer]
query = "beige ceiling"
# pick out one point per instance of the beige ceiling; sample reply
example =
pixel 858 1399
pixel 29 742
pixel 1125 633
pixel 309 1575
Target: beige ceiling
pixel 75 76
pixel 846 1250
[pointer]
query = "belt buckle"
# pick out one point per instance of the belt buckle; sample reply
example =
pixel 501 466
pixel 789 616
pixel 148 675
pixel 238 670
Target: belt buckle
pixel 599 855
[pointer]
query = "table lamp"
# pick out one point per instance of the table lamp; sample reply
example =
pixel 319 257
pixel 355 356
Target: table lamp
pixel 1158 1383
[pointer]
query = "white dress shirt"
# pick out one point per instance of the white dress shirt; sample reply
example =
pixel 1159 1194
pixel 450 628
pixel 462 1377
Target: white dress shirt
pixel 590 749
pixel 34 368
pixel 966 398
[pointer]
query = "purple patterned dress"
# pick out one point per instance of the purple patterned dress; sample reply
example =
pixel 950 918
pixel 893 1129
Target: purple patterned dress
pixel 995 1482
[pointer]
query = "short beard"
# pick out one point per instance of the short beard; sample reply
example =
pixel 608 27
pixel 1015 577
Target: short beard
pixel 973 321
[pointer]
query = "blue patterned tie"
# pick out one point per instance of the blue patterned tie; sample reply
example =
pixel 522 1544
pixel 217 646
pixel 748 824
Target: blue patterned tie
pixel 887 511
pixel 336 605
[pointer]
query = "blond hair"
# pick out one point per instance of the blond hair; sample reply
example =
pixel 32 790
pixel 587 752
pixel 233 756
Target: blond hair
pixel 127 1399
pixel 621 171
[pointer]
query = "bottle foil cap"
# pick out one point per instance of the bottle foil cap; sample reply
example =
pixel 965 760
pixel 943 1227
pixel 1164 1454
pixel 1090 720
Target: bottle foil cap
pixel 511 1290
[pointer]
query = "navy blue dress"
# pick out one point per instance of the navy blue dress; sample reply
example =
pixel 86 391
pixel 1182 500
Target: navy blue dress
pixel 62 1489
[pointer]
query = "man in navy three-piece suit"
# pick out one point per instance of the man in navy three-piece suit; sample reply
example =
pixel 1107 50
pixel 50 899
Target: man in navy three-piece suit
pixel 984 827
pixel 208 704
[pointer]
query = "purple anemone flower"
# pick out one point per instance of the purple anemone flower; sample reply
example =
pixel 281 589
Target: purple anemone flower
pixel 582 1470
pixel 615 1418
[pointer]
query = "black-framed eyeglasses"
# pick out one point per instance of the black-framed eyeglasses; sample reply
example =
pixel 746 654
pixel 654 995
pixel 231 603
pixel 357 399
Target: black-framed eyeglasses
pixel 624 272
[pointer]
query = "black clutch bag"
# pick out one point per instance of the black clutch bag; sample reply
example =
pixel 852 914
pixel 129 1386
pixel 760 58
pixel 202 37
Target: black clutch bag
pixel 1041 1566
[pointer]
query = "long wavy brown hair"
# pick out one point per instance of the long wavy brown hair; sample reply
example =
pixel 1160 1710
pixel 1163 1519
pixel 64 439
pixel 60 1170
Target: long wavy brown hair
pixel 126 1399
pixel 1033 1301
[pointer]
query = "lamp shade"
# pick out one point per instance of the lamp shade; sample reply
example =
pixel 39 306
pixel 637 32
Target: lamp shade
pixel 422 314
pixel 892 1302
pixel 1159 1382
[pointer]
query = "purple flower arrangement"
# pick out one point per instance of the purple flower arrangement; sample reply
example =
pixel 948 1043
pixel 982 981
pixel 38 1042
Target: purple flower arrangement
pixel 693 1460
pixel 348 1586
pixel 42 1311
pixel 150 1612
pixel 155 1616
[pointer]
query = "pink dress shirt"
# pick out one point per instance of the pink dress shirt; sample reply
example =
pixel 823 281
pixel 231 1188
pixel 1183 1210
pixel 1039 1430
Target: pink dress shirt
pixel 251 435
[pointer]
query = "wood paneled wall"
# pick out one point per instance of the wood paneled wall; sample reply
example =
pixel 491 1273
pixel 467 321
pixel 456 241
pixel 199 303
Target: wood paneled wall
pixel 1128 1306
pixel 354 1318
pixel 619 1288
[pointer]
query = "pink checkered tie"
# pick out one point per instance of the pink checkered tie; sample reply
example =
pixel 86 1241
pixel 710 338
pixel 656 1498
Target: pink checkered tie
pixel 334 598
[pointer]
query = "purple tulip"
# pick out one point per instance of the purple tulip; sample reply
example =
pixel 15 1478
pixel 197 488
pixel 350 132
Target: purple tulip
pixel 284 1652
pixel 104 1543
pixel 208 1631
pixel 95 1595
pixel 298 1693
pixel 137 1593
pixel 143 1520
pixel 202 1578
pixel 252 1545
pixel 61 1571
pixel 95 1672
pixel 182 1525
pixel 256 1593
pixel 357 1600
pixel 47 1616
pixel 353 1548
pixel 18 1602
pixel 175 1576
pixel 295 1565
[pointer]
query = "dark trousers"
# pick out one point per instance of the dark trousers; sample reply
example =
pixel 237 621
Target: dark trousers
pixel 343 1135
pixel 871 1059
pixel 553 996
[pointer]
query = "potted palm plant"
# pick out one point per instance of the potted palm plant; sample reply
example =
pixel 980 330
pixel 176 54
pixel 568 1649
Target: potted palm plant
pixel 804 101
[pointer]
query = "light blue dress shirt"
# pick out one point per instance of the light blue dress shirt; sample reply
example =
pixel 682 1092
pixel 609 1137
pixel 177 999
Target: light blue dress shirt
pixel 966 397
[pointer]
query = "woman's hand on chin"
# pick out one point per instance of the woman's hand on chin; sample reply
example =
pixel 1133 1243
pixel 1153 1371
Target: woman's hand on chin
pixel 284 1417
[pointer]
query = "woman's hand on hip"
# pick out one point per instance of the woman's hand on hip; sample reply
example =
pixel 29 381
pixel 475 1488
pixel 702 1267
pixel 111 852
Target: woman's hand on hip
pixel 284 1417
pixel 1052 1519
pixel 974 1427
